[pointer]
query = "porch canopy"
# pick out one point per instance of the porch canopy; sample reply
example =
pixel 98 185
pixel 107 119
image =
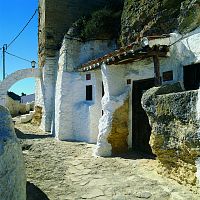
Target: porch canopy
pixel 134 52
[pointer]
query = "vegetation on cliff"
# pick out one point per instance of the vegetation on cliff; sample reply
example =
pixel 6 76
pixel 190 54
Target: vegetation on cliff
pixel 101 24
pixel 134 19
pixel 155 17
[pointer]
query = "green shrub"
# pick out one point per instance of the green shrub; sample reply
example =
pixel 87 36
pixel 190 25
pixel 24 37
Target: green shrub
pixel 102 24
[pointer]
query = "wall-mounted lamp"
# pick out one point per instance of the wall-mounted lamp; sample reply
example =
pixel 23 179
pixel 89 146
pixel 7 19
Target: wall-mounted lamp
pixel 33 64
pixel 144 42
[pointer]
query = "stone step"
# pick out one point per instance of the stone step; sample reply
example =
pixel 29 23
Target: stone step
pixel 27 117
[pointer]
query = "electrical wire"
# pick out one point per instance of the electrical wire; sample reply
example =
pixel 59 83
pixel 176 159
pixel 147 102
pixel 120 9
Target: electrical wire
pixel 181 38
pixel 24 59
pixel 15 38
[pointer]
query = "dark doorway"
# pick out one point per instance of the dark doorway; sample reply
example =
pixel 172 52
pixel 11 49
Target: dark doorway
pixel 140 123
pixel 191 77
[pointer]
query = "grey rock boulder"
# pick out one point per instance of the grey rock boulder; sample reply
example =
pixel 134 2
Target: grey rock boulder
pixel 12 168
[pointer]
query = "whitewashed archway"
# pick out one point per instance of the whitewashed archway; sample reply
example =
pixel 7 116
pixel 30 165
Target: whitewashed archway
pixel 11 79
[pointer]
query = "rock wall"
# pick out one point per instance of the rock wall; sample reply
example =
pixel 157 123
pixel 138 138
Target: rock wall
pixel 111 140
pixel 141 18
pixel 175 131
pixel 55 18
pixel 12 168
pixel 119 132
pixel 16 108
pixel 37 116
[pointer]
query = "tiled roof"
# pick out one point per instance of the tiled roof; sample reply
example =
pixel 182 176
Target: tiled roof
pixel 127 54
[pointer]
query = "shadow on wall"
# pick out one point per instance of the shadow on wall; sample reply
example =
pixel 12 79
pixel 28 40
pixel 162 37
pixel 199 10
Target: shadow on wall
pixel 34 193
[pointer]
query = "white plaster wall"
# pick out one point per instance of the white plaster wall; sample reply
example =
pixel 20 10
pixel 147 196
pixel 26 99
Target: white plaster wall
pixel 76 118
pixel 39 100
pixel 116 92
pixel 96 108
pixel 64 105
pixel 77 52
pixel 45 93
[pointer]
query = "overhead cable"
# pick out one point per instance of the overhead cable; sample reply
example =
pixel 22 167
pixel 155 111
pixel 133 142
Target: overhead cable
pixel 24 59
pixel 15 38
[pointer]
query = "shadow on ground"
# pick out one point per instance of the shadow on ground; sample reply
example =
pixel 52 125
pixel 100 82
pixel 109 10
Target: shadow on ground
pixel 34 193
pixel 22 135
pixel 134 155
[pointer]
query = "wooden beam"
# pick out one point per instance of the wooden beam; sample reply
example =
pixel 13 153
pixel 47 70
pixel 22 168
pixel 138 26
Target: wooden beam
pixel 157 76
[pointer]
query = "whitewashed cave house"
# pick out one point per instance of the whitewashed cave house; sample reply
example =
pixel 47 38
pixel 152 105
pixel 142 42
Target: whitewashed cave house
pixel 107 109
pixel 98 88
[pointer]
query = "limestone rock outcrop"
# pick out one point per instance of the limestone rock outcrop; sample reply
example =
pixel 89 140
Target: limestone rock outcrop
pixel 155 17
pixel 37 116
pixel 12 168
pixel 175 130
pixel 119 132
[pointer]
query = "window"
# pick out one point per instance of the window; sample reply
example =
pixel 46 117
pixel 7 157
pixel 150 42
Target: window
pixel 128 81
pixel 103 92
pixel 168 76
pixel 89 93
pixel 88 77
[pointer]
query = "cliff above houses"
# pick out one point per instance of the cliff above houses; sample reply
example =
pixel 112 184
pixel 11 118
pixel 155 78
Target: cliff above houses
pixel 133 19
pixel 155 17
pixel 123 20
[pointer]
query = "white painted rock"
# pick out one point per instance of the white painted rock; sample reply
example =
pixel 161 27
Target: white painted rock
pixel 12 168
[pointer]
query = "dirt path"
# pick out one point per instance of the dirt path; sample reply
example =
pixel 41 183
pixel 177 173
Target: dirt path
pixel 66 170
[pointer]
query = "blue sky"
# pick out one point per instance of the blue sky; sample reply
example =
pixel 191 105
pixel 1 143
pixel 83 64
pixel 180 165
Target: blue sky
pixel 14 14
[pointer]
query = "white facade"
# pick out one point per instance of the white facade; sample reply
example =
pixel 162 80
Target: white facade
pixel 184 52
pixel 62 91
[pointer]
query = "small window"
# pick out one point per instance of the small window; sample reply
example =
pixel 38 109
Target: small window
pixel 103 92
pixel 128 81
pixel 168 76
pixel 88 77
pixel 89 93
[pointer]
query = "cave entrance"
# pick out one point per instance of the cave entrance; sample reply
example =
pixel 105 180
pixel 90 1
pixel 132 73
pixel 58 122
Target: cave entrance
pixel 191 76
pixel 141 129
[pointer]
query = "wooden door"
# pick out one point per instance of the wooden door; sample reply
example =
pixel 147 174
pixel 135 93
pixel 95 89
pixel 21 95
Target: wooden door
pixel 192 77
pixel 140 123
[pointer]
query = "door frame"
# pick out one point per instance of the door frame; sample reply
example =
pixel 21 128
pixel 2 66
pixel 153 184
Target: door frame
pixel 133 116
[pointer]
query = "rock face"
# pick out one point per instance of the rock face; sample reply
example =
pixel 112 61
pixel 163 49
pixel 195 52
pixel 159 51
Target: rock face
pixel 113 129
pixel 189 18
pixel 141 18
pixel 175 131
pixel 37 116
pixel 12 168
pixel 56 17
pixel 119 133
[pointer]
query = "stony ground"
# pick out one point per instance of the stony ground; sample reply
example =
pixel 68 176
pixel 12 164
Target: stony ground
pixel 66 170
